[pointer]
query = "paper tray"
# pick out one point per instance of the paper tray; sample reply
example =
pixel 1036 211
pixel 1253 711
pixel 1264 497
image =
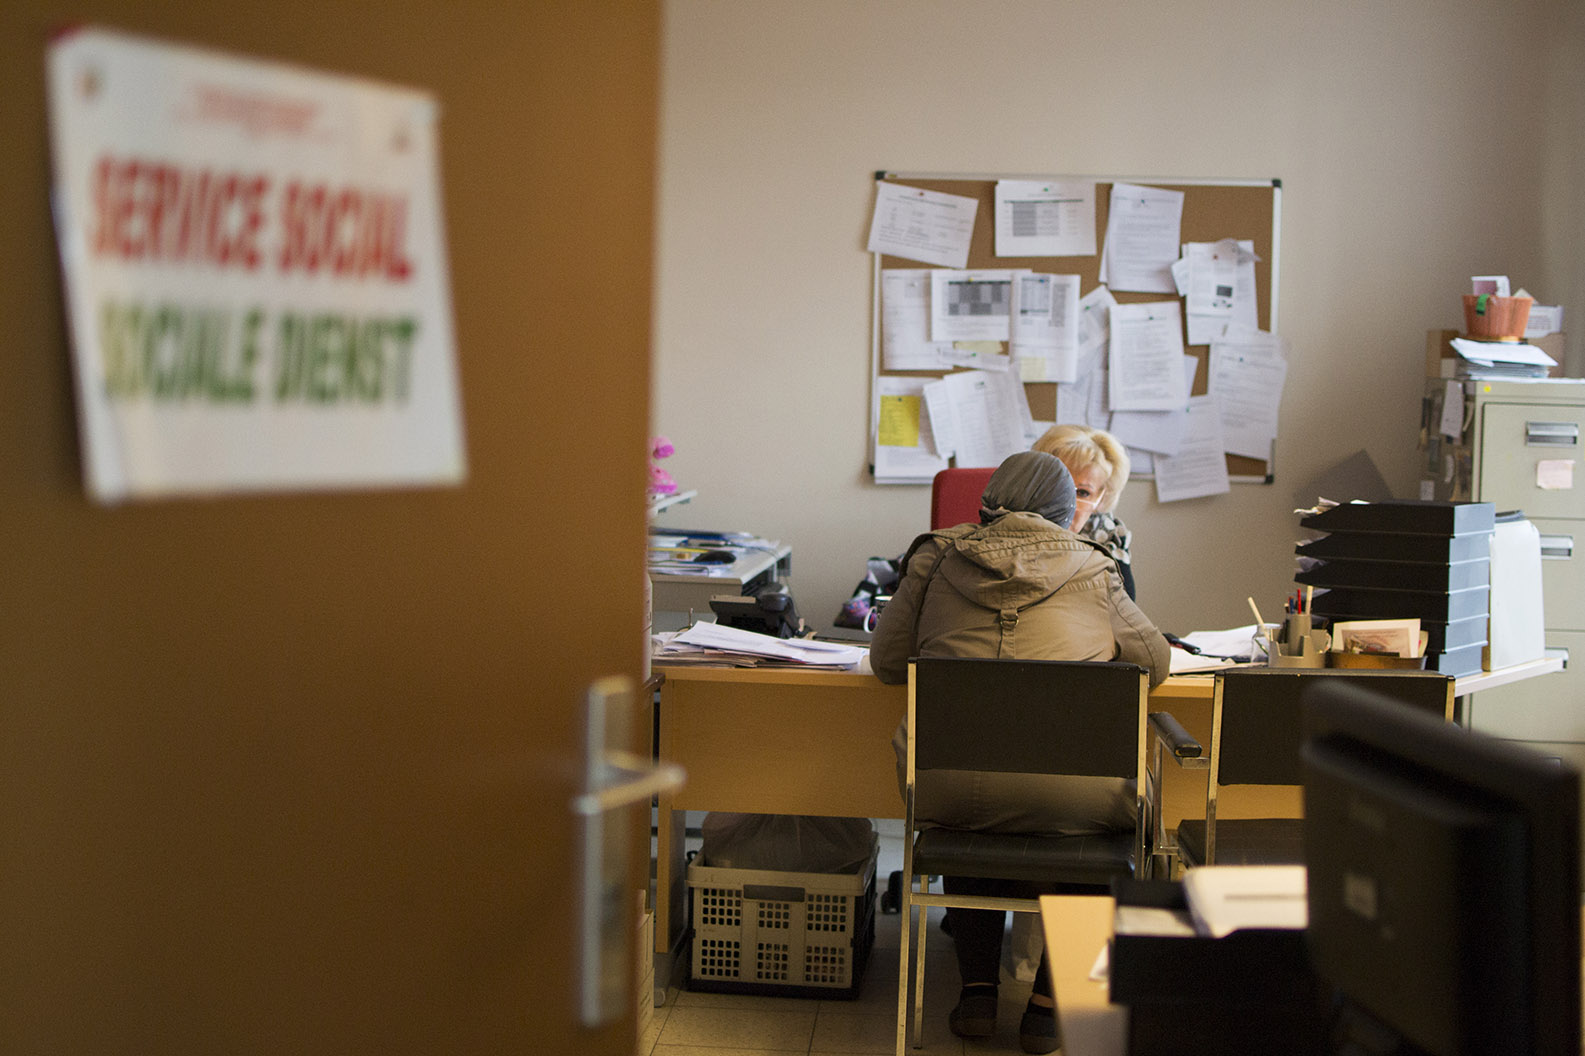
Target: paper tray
pixel 1367 604
pixel 1470 660
pixel 1406 516
pixel 1388 575
pixel 1401 549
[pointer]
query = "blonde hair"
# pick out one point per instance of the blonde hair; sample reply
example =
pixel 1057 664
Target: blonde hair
pixel 1080 447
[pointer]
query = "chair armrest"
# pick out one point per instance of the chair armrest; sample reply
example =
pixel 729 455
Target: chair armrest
pixel 1165 727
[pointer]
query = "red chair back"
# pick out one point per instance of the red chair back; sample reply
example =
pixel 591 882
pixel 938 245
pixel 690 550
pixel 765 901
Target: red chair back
pixel 955 495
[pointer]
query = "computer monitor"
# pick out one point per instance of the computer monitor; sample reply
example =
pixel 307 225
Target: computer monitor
pixel 1444 882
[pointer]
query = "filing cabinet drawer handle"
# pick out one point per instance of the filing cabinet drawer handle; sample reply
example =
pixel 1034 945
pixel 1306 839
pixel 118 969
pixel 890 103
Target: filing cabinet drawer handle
pixel 1560 547
pixel 1551 434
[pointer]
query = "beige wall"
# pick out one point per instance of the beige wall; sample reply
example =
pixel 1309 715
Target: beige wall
pixel 1414 151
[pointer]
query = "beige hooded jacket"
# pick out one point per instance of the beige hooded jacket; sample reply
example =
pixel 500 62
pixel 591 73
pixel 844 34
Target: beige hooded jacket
pixel 1019 587
pixel 1023 588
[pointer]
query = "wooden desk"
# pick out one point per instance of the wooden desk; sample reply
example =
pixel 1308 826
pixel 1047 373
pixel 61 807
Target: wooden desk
pixel 1077 927
pixel 779 741
pixel 770 741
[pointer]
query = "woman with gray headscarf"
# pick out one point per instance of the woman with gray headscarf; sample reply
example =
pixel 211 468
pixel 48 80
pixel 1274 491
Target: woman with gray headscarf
pixel 1020 585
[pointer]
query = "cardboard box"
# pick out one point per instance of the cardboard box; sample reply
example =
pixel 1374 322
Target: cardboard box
pixel 1439 352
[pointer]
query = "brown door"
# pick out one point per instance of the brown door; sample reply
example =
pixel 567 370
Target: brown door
pixel 294 773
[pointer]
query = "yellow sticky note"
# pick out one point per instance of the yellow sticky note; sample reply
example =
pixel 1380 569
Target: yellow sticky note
pixel 899 425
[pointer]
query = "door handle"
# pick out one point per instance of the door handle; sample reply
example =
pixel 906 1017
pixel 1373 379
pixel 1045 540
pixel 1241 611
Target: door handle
pixel 630 779
pixel 613 780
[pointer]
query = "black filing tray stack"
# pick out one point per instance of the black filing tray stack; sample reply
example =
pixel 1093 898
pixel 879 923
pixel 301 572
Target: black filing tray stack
pixel 1402 559
pixel 1251 993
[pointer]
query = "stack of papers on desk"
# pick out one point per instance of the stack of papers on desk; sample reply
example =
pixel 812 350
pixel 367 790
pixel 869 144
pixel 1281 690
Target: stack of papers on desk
pixel 1501 359
pixel 1217 649
pixel 712 643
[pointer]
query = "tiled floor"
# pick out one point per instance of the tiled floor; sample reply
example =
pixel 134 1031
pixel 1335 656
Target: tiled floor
pixel 703 1024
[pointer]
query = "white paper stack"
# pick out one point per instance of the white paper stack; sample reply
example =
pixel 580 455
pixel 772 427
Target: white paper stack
pixel 1500 359
pixel 1228 898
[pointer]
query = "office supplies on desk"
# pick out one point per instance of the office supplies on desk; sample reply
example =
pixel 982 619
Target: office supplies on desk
pixel 1295 642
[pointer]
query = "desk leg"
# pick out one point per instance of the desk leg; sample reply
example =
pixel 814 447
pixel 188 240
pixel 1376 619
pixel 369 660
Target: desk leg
pixel 670 887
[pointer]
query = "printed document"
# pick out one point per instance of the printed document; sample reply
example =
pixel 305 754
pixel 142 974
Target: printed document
pixel 1202 287
pixel 1045 325
pixel 927 226
pixel 1247 371
pixel 978 415
pixel 1095 321
pixel 1036 218
pixel 905 447
pixel 905 322
pixel 1159 432
pixel 1200 468
pixel 1219 288
pixel 1083 402
pixel 971 305
pixel 1143 228
pixel 1147 357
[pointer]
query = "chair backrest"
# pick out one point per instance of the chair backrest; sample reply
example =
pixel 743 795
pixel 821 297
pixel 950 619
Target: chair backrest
pixel 1080 718
pixel 955 495
pixel 1257 716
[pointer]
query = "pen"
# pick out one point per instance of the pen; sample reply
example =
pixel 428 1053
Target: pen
pixel 1259 623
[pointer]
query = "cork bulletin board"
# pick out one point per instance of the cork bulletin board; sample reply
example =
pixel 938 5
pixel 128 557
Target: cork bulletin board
pixel 1247 209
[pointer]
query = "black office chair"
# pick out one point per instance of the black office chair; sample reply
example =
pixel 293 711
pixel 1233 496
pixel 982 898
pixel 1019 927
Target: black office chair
pixel 1021 717
pixel 1256 715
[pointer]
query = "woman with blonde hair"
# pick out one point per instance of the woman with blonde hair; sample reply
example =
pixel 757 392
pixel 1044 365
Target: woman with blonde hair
pixel 1099 464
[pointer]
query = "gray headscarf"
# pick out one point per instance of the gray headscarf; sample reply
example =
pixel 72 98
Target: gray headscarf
pixel 1033 482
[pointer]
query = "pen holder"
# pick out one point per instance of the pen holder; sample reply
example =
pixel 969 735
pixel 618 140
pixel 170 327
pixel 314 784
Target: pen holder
pixel 1296 644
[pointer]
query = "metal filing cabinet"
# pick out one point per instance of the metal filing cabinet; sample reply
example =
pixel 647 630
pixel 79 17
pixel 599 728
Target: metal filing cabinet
pixel 1519 448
